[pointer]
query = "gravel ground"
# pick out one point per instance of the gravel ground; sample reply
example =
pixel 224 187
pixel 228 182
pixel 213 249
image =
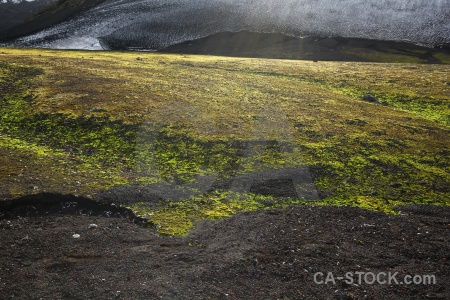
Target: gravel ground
pixel 254 255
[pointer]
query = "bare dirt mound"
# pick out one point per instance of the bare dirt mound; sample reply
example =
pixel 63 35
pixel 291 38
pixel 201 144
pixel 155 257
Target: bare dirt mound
pixel 275 45
pixel 258 255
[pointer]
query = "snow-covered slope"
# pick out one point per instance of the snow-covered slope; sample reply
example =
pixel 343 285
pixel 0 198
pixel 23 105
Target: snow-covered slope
pixel 154 24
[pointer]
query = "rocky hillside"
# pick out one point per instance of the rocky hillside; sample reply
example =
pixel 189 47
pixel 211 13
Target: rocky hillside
pixel 158 24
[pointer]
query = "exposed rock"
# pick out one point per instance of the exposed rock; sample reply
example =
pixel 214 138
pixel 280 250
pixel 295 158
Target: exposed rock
pixel 155 24
pixel 31 16
pixel 370 98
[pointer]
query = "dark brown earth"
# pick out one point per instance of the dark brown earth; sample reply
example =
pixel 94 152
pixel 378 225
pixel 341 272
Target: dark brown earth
pixel 254 255
pixel 275 45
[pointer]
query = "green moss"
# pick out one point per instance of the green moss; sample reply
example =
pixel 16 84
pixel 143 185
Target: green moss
pixel 364 202
pixel 443 58
pixel 75 125
pixel 391 56
pixel 79 147
pixel 179 217
pixel 175 155
pixel 425 104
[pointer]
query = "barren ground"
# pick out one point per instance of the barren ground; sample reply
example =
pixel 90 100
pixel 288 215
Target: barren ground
pixel 254 255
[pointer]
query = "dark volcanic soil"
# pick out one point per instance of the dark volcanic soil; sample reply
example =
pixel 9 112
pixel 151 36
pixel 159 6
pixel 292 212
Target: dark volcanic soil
pixel 258 255
pixel 274 45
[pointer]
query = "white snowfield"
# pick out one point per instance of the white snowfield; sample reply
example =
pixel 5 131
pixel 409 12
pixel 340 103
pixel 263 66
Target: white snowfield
pixel 166 22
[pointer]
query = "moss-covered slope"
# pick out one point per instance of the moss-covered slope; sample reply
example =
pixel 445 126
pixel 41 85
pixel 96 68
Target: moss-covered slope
pixel 84 122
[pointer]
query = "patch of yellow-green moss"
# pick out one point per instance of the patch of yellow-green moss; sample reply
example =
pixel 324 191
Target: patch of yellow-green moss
pixel 385 57
pixel 177 218
pixel 81 122
pixel 444 58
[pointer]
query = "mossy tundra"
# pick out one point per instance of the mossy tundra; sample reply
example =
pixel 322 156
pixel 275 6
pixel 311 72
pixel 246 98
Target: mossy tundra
pixel 83 122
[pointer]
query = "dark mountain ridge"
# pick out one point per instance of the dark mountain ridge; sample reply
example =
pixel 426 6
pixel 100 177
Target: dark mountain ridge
pixel 155 24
